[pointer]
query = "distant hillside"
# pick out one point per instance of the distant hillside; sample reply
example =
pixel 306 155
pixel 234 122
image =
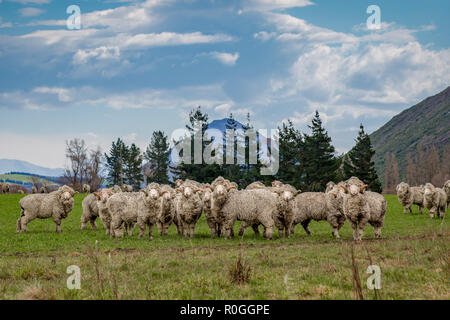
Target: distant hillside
pixel 7 165
pixel 427 123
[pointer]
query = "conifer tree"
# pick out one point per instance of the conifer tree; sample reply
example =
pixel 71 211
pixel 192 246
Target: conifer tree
pixel 115 163
pixel 317 157
pixel 291 143
pixel 358 162
pixel 133 167
pixel 157 155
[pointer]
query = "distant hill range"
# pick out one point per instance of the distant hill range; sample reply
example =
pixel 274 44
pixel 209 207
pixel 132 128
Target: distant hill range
pixel 426 124
pixel 7 166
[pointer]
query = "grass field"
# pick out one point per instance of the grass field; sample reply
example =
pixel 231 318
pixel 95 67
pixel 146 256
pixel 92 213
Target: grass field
pixel 22 177
pixel 413 256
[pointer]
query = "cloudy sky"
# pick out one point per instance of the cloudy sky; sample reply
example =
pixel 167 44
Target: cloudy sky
pixel 139 66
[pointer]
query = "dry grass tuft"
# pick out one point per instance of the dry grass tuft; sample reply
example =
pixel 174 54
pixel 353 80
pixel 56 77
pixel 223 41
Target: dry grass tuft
pixel 239 271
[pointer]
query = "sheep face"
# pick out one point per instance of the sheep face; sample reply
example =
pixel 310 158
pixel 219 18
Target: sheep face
pixel 66 200
pixel 402 189
pixel 447 187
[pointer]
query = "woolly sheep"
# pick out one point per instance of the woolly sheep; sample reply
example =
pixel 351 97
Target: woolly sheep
pixel 189 207
pixel 255 185
pixel 5 187
pixel 127 188
pixel 166 208
pixel 361 207
pixel 90 211
pixel 435 200
pixel 318 206
pixel 20 192
pixel 256 206
pixel 56 205
pixel 102 200
pixel 407 196
pixel 33 190
pixel 446 188
pixel 284 215
pixel 124 208
pixel 330 185
pixel 42 190
pixel 86 188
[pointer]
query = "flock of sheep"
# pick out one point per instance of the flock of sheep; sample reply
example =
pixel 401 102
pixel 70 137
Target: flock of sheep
pixel 6 188
pixel 280 206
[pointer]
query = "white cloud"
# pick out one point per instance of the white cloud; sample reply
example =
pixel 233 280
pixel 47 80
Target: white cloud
pixel 100 53
pixel 30 12
pixel 266 5
pixel 228 59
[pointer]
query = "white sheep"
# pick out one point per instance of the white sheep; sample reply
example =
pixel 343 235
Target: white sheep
pixel 435 200
pixel 408 196
pixel 56 205
pixel 189 209
pixel 102 200
pixel 318 206
pixel 86 188
pixel 90 211
pixel 446 188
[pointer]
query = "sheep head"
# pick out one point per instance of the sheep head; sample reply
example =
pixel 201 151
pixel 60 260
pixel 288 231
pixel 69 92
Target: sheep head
pixel 354 186
pixel 446 187
pixel 402 189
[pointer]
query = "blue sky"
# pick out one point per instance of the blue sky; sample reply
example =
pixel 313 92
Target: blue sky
pixel 139 66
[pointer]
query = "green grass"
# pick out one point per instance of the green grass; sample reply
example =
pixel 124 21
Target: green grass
pixel 22 177
pixel 413 256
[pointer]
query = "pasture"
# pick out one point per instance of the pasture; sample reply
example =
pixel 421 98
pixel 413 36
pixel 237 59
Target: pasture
pixel 413 255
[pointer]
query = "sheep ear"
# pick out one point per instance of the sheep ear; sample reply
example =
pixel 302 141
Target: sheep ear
pixel 144 191
pixel 97 195
pixel 363 189
pixel 345 189
pixel 298 192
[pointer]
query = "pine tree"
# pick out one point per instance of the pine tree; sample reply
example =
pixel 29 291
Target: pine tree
pixel 157 154
pixel 290 144
pixel 359 162
pixel 317 157
pixel 201 172
pixel 133 167
pixel 115 163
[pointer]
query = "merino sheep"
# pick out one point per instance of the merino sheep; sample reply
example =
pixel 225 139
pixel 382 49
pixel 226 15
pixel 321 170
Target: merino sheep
pixel 167 209
pixel 90 211
pixel 446 188
pixel 189 209
pixel 318 206
pixel 210 215
pixel 127 188
pixel 361 207
pixel 255 185
pixel 435 200
pixel 20 192
pixel 408 196
pixel 34 190
pixel 124 208
pixel 330 185
pixel 5 187
pixel 86 188
pixel 103 212
pixel 43 190
pixel 284 215
pixel 56 205
pixel 255 206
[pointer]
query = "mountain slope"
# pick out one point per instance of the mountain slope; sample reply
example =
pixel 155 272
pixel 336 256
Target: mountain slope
pixel 426 124
pixel 8 165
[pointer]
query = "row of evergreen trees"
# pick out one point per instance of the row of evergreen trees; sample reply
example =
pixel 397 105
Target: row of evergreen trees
pixel 307 161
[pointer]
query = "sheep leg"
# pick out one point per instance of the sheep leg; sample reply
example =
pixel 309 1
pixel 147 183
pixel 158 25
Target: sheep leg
pixel 116 227
pixel 166 229
pixel 420 209
pixel 212 227
pixel 83 222
pixel 244 225
pixel 24 222
pixel 192 230
pixel 129 227
pixel 360 228
pixel 92 221
pixel 150 230
pixel 58 225
pixel 305 224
